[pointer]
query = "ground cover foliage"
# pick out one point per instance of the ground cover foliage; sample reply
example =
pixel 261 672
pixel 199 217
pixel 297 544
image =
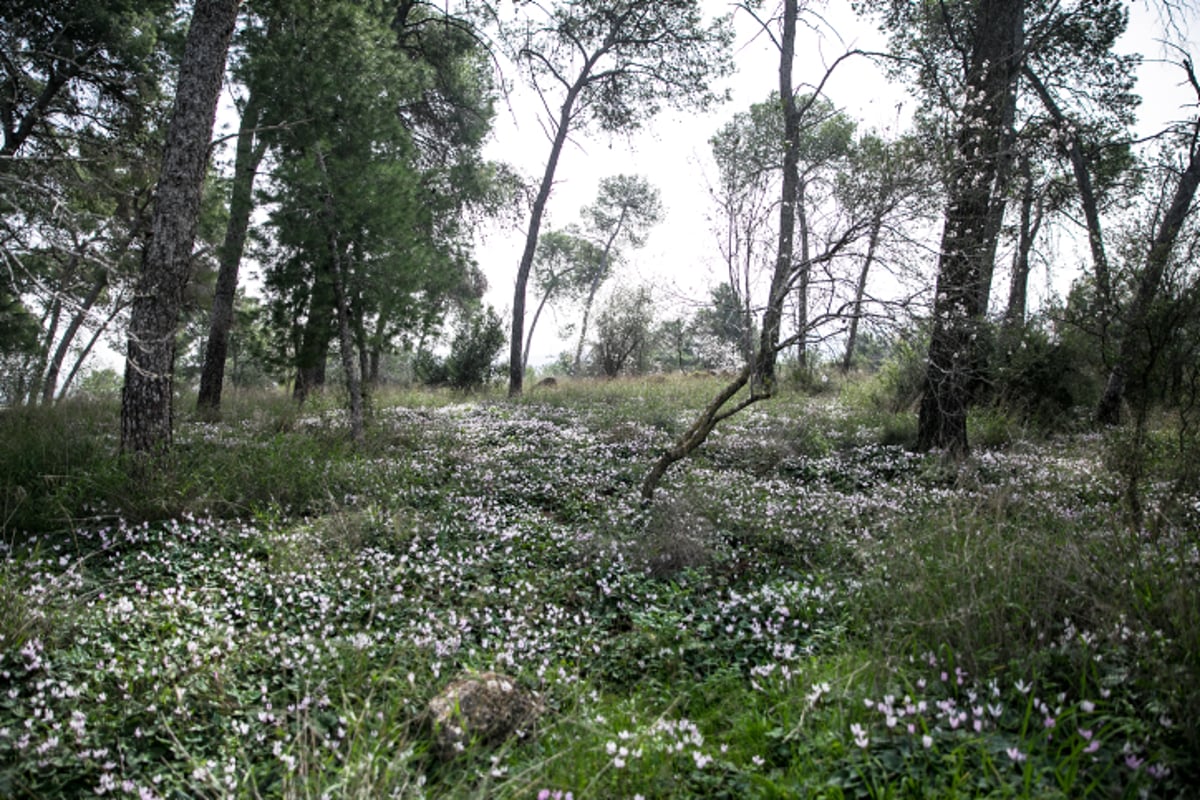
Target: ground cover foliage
pixel 808 609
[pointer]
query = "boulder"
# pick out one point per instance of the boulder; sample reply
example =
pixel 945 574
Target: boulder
pixel 484 708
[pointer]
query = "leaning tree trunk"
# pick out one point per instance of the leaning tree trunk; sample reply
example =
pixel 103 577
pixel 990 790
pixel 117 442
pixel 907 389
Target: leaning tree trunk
pixel 860 291
pixel 533 325
pixel 952 368
pixel 760 373
pixel 249 155
pixel 598 279
pixel 54 367
pixel 516 361
pixel 37 372
pixel 81 359
pixel 1088 201
pixel 167 259
pixel 1157 258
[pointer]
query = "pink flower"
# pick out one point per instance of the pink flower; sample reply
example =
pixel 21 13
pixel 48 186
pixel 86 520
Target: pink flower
pixel 860 735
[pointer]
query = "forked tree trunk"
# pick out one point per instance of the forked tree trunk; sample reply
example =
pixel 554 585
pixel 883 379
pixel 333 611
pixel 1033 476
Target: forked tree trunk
pixel 54 367
pixel 167 260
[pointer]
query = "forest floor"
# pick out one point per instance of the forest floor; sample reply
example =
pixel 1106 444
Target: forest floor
pixel 808 609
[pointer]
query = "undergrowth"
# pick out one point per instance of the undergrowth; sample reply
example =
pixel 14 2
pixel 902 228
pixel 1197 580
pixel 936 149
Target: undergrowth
pixel 807 610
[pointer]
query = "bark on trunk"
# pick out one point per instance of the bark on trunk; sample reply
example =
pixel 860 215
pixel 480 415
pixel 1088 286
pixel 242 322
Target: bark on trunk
pixel 1157 259
pixel 38 371
pixel 516 361
pixel 1087 198
pixel 532 325
pixel 313 350
pixel 759 374
pixel 1031 222
pixel 952 368
pixel 860 291
pixel 167 260
pixel 698 432
pixel 802 282
pixel 601 274
pixel 117 308
pixel 350 365
pixel 50 382
pixel 764 365
pixel 249 155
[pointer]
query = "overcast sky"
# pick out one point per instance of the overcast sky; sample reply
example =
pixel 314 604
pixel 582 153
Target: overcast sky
pixel 680 259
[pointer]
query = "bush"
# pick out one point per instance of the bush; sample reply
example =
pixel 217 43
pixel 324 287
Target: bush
pixel 429 369
pixel 474 350
pixel 901 376
pixel 1040 377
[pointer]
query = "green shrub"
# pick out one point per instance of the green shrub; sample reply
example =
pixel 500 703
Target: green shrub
pixel 1042 378
pixel 474 350
pixel 902 375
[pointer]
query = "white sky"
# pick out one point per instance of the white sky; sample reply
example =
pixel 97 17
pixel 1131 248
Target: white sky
pixel 680 258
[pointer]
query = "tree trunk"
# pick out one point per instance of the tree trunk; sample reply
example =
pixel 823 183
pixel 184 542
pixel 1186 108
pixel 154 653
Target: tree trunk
pixel 249 155
pixel 342 305
pixel 746 345
pixel 313 349
pixel 760 374
pixel 1087 198
pixel 764 365
pixel 1031 222
pixel 860 291
pixel 952 368
pixel 699 431
pixel 50 382
pixel 802 284
pixel 601 274
pixel 516 373
pixel 38 370
pixel 1157 259
pixel 373 366
pixel 118 307
pixel 532 325
pixel 587 313
pixel 998 203
pixel 167 260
